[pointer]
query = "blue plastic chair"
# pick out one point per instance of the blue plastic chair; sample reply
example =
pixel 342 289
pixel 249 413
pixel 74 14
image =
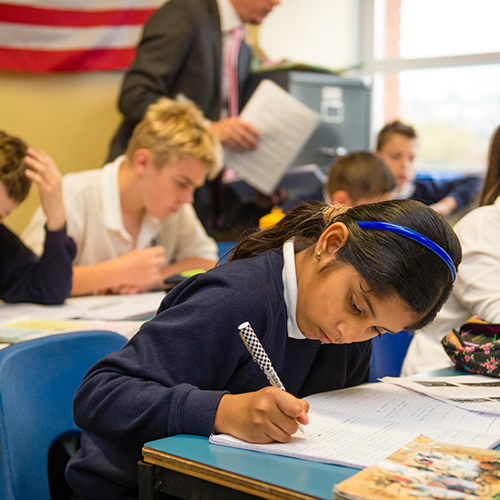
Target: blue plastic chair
pixel 388 353
pixel 224 247
pixel 38 380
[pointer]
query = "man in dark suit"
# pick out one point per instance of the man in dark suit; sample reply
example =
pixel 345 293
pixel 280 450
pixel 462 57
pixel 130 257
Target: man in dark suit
pixel 181 52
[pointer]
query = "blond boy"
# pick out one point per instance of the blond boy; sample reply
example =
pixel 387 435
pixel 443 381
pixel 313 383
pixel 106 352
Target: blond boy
pixel 133 220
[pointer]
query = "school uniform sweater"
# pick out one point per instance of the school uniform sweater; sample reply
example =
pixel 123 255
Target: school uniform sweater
pixel 464 190
pixel 26 278
pixel 170 376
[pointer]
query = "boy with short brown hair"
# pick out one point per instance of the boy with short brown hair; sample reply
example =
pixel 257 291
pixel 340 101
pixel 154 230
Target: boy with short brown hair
pixel 397 145
pixel 23 276
pixel 354 179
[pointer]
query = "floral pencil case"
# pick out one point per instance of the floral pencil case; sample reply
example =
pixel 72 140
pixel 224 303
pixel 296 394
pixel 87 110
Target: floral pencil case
pixel 475 348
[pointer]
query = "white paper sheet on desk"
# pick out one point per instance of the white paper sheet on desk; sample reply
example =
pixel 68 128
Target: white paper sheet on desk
pixel 472 392
pixel 9 312
pixel 28 329
pixel 285 123
pixel 359 426
pixel 118 307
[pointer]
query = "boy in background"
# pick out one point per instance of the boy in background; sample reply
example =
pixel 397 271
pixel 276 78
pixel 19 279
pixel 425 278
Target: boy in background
pixel 133 220
pixel 354 179
pixel 397 145
pixel 23 276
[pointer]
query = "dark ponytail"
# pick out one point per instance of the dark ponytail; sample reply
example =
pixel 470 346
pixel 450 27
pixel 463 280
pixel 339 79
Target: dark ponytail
pixel 388 262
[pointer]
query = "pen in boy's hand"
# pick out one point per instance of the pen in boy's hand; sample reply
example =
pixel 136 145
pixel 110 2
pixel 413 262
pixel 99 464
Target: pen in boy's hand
pixel 260 356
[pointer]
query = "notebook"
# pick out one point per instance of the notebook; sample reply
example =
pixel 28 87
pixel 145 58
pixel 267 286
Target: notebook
pixel 359 426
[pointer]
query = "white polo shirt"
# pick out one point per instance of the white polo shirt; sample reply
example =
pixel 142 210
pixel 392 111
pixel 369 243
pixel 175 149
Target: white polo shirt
pixel 94 221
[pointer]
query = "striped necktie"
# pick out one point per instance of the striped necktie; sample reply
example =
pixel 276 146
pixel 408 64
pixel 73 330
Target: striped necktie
pixel 236 37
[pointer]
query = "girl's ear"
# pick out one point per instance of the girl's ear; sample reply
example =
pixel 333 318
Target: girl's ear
pixel 333 238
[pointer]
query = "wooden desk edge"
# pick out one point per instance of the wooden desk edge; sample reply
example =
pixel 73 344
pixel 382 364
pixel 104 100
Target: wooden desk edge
pixel 220 476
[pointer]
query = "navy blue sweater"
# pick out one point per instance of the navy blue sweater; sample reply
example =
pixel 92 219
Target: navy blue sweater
pixel 463 189
pixel 170 376
pixel 26 278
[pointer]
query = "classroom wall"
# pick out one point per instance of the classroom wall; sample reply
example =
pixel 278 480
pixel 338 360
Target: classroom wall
pixel 73 116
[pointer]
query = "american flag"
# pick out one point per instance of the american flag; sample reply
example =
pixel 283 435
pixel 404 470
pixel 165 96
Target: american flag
pixel 41 36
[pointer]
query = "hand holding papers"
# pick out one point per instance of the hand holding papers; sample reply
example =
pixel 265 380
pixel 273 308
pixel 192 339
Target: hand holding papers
pixel 285 123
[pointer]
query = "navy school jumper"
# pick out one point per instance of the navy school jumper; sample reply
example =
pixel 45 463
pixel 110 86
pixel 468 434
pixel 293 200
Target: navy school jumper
pixel 171 375
pixel 26 278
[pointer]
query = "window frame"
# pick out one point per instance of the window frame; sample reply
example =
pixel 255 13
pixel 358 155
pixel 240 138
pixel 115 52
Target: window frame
pixel 369 47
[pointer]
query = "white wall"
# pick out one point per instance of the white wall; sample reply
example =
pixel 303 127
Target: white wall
pixel 317 32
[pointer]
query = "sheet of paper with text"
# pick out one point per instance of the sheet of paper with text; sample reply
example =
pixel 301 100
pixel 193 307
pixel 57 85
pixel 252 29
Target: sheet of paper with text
pixel 286 125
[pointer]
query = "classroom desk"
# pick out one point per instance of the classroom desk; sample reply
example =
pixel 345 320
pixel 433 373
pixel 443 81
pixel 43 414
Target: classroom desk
pixel 188 467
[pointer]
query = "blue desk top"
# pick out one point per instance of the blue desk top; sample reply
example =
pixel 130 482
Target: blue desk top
pixel 310 478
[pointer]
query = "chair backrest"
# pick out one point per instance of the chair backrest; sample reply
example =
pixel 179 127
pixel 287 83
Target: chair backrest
pixel 388 353
pixel 224 247
pixel 38 380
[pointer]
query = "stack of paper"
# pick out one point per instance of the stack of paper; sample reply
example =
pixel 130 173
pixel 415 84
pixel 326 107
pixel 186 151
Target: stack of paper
pixel 472 392
pixel 123 314
pixel 19 331
pixel 359 426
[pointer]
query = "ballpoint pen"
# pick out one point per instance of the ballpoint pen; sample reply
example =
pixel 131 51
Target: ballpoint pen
pixel 260 356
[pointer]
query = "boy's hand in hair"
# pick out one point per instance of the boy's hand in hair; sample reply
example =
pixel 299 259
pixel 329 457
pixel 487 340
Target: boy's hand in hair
pixel 45 174
pixel 261 417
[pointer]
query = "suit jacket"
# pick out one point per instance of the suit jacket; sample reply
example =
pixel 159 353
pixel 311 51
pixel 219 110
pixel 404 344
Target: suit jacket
pixel 180 52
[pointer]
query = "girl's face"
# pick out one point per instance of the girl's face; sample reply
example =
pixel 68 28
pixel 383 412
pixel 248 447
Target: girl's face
pixel 337 307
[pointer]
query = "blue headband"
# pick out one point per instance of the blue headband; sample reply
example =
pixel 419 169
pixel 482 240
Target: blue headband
pixel 413 235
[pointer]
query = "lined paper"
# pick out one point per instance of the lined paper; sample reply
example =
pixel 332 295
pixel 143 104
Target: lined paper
pixel 359 426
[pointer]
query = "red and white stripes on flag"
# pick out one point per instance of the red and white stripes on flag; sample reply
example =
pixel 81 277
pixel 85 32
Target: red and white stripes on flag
pixel 41 36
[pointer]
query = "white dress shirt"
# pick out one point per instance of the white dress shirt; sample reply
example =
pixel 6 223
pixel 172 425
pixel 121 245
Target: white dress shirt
pixel 94 221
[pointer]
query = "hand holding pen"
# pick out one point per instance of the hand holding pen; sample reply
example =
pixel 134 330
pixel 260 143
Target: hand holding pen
pixel 262 416
pixel 260 356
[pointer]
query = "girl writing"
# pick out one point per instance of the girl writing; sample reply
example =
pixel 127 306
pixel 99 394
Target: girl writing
pixel 316 287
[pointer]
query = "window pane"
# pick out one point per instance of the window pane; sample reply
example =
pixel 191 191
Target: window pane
pixel 431 28
pixel 455 111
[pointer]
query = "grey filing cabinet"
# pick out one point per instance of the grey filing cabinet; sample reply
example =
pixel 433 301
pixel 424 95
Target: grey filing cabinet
pixel 344 105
